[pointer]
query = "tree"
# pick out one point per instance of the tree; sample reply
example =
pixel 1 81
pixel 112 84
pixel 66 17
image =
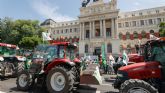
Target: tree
pixel 30 42
pixel 20 31
pixel 162 29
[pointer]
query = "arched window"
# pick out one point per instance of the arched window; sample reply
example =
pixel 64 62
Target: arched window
pixel 86 48
pixel 152 31
pixel 143 33
pixel 120 35
pixel 127 35
pixel 109 48
pixel 135 35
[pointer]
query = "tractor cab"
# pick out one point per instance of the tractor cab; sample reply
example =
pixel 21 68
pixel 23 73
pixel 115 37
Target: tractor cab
pixel 155 51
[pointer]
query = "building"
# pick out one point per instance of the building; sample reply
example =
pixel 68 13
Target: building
pixel 135 27
pixel 101 23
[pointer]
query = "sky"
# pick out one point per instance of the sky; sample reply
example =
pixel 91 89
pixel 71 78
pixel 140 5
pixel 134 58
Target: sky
pixel 62 10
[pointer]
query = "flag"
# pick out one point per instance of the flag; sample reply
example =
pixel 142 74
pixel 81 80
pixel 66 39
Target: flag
pixel 46 36
pixel 103 55
pixel 125 58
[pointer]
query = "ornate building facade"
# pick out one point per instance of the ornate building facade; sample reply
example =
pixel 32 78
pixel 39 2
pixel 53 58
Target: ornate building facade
pixel 101 23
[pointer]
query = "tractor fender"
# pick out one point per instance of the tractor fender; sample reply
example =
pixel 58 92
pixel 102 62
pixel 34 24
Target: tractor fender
pixel 57 62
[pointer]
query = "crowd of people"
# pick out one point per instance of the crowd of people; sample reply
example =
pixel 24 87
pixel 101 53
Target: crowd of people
pixel 108 66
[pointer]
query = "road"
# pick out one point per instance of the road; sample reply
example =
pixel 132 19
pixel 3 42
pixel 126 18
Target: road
pixel 9 86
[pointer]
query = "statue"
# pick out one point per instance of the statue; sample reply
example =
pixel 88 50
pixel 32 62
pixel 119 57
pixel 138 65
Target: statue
pixel 85 2
pixel 95 0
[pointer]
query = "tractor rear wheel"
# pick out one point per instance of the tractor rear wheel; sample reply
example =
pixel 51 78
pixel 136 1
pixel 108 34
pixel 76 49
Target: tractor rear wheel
pixel 59 80
pixel 24 80
pixel 137 86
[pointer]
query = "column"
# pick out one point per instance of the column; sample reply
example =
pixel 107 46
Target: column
pixel 115 25
pixel 90 28
pixel 104 29
pixel 80 31
pixel 101 28
pixel 93 29
pixel 83 30
pixel 112 27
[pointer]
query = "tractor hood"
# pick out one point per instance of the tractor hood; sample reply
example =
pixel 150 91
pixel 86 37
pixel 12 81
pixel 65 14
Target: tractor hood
pixel 138 66
pixel 143 70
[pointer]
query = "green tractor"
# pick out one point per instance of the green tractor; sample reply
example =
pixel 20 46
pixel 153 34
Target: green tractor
pixel 10 63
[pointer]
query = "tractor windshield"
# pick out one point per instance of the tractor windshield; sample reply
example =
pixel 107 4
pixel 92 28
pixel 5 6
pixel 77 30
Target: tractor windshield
pixel 158 53
pixel 7 51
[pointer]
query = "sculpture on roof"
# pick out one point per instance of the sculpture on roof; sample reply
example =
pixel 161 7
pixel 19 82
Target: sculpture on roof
pixel 85 2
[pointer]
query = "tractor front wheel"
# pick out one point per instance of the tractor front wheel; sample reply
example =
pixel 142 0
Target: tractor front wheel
pixel 59 80
pixel 137 86
pixel 24 80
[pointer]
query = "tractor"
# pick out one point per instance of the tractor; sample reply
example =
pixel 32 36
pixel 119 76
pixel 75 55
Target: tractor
pixel 147 76
pixel 10 63
pixel 53 66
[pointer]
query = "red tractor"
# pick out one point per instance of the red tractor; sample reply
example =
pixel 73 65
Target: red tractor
pixel 144 77
pixel 55 66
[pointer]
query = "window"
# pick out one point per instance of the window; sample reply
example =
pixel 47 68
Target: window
pixel 87 34
pixel 150 21
pixel 61 31
pixel 157 11
pixel 140 13
pixel 75 29
pixel 142 22
pixel 109 48
pixel 70 30
pixel 134 23
pixel 120 35
pixel 126 24
pixel 86 48
pixel 57 31
pixel 133 14
pixel 152 31
pixel 158 20
pixel 143 34
pixel 135 35
pixel 108 32
pixel 119 25
pixel 97 32
pixel 66 30
pixel 127 35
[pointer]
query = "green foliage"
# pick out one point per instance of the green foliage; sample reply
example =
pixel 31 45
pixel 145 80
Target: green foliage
pixel 30 42
pixel 20 31
pixel 162 29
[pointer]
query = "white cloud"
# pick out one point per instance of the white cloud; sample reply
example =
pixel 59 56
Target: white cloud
pixel 45 9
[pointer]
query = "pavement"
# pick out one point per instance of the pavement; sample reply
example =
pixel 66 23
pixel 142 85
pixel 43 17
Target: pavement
pixel 9 86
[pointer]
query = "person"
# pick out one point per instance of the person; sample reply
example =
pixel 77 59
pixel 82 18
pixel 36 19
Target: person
pixel 110 63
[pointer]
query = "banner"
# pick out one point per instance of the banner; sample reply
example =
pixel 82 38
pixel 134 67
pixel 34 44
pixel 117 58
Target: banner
pixel 103 55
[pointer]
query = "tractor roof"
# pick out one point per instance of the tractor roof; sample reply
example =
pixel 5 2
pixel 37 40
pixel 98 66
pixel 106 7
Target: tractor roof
pixel 156 42
pixel 8 45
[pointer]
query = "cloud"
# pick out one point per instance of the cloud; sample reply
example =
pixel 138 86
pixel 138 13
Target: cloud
pixel 45 9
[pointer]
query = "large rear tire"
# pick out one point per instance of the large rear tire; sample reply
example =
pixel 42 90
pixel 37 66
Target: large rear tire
pixel 137 86
pixel 24 81
pixel 59 80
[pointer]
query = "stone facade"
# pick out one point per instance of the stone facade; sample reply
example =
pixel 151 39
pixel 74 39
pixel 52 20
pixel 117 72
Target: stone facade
pixel 101 23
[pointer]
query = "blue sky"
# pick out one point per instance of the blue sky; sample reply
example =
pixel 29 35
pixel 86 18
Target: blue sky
pixel 61 10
